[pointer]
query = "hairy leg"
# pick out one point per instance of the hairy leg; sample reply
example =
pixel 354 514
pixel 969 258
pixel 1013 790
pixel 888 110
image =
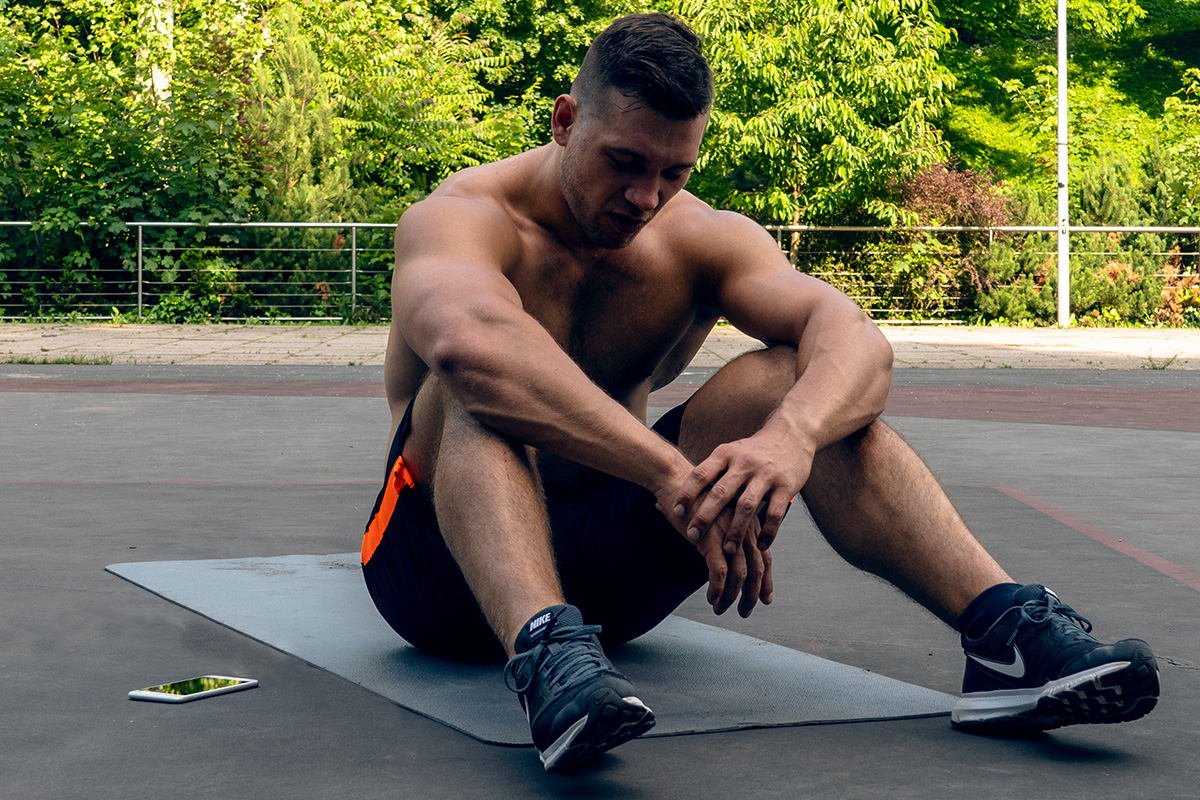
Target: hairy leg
pixel 870 495
pixel 490 510
pixel 883 510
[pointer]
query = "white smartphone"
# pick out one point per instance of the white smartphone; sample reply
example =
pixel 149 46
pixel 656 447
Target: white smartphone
pixel 192 689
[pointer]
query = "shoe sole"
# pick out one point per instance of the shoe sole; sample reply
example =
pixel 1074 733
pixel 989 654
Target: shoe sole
pixel 611 720
pixel 1119 692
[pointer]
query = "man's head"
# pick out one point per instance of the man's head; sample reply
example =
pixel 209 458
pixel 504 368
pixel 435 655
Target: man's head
pixel 631 128
pixel 654 59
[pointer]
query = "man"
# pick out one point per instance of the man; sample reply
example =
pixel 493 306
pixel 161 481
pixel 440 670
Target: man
pixel 528 511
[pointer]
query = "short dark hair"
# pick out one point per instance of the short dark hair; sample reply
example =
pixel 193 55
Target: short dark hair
pixel 653 58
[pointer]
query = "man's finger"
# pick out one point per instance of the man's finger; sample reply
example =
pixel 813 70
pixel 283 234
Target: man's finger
pixel 754 577
pixel 735 578
pixel 702 475
pixel 767 593
pixel 720 498
pixel 718 569
pixel 745 526
pixel 776 509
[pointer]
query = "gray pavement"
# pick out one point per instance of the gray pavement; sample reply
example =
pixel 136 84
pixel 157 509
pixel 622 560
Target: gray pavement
pixel 916 346
pixel 243 448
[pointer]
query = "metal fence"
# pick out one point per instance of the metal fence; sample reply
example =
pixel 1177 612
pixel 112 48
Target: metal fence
pixel 893 272
pixel 313 271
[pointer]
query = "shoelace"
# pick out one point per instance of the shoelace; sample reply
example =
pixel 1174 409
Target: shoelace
pixel 1041 610
pixel 568 642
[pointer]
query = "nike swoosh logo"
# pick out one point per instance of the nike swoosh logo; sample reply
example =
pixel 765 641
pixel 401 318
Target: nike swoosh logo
pixel 1013 669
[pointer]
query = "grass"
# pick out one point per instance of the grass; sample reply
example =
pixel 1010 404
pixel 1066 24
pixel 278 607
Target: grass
pixel 1153 363
pixel 64 359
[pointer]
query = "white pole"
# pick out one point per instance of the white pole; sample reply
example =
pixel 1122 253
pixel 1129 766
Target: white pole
pixel 1064 241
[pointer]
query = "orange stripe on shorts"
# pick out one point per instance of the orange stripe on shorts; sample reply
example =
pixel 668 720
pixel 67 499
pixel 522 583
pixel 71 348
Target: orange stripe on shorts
pixel 399 479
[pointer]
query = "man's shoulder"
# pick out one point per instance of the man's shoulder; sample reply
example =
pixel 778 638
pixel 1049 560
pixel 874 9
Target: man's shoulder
pixel 478 199
pixel 707 234
pixel 471 191
pixel 690 211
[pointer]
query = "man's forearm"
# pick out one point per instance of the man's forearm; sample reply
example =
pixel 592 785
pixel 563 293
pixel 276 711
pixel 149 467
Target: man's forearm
pixel 513 377
pixel 844 374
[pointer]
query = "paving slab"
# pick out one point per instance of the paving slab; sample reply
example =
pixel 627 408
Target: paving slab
pixel 915 346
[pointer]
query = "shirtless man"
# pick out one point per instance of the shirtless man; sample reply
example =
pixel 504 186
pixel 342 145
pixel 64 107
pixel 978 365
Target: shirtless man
pixel 529 511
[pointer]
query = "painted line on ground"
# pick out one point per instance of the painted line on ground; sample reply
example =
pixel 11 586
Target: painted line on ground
pixel 1155 562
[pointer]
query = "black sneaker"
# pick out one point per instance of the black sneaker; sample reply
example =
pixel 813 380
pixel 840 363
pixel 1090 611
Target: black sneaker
pixel 578 705
pixel 1038 668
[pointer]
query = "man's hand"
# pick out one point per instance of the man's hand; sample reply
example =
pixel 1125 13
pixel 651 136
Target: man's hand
pixel 744 478
pixel 747 571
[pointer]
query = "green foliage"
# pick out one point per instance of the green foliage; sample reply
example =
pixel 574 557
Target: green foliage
pixel 1014 282
pixel 819 104
pixel 1116 279
pixel 118 110
pixel 1004 117
pixel 543 41
pixel 86 141
pixel 1003 19
pixel 912 273
pixel 410 95
pixel 1039 101
pixel 1173 173
pixel 1102 17
pixel 292 117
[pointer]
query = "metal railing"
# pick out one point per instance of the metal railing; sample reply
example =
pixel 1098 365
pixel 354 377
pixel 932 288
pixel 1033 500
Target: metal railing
pixel 317 270
pixel 286 281
pixel 845 256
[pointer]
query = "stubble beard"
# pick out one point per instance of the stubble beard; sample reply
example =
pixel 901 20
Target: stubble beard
pixel 588 218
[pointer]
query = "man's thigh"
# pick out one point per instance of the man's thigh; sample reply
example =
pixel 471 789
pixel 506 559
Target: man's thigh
pixel 410 574
pixel 620 560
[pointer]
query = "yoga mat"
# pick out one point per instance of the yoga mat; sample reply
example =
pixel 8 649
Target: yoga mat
pixel 696 677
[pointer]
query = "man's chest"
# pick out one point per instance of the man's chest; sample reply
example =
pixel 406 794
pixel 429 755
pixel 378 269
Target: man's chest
pixel 618 320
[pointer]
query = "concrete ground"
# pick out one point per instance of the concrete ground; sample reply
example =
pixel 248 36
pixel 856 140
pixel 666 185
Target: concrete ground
pixel 922 346
pixel 1077 477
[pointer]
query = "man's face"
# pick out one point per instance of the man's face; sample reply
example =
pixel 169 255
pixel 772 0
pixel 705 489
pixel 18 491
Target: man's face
pixel 621 164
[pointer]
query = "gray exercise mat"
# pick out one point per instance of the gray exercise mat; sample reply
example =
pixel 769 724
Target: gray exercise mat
pixel 696 677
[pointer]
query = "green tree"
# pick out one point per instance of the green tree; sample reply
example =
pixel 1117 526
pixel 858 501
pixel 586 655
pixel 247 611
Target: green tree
pixel 1173 172
pixel 292 118
pixel 820 105
pixel 409 92
pixel 84 141
pixel 1002 19
pixel 543 40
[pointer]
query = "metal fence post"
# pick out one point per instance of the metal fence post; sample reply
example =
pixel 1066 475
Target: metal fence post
pixel 353 271
pixel 139 273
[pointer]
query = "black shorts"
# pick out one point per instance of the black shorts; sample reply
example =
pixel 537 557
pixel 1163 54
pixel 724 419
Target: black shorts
pixel 619 560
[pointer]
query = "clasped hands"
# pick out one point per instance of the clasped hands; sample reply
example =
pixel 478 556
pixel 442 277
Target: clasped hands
pixel 730 506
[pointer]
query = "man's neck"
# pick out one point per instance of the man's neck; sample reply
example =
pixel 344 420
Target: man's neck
pixel 548 208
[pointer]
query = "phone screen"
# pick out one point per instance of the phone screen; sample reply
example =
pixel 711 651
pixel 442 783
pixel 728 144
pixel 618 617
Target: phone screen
pixel 195 685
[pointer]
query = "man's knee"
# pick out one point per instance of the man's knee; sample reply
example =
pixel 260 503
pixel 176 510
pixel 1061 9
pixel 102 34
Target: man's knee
pixel 736 401
pixel 767 374
pixel 440 425
pixel 756 382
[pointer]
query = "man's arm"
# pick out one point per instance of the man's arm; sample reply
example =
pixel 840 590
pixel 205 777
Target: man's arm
pixel 843 374
pixel 457 311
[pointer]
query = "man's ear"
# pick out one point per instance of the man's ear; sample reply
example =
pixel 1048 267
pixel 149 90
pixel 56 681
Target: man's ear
pixel 563 118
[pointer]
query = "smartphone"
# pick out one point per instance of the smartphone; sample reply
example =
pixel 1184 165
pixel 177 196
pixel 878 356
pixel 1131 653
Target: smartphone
pixel 193 689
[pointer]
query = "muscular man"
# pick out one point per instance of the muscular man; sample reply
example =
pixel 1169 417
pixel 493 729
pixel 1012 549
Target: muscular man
pixel 529 511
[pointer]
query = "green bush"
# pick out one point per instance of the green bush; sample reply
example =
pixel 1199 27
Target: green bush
pixel 1116 278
